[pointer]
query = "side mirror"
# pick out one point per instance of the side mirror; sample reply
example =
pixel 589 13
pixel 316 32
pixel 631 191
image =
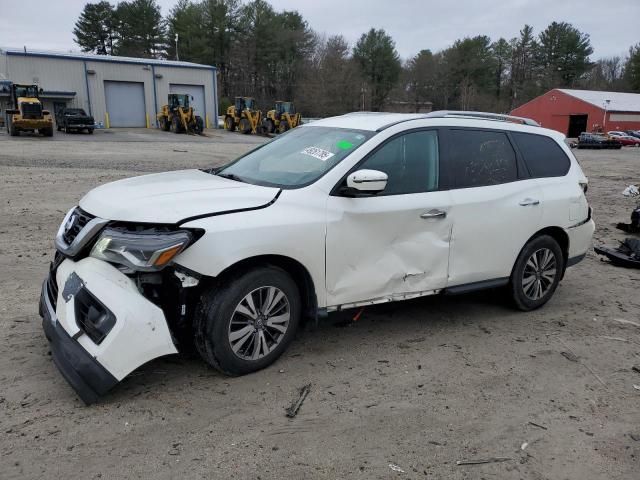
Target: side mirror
pixel 367 181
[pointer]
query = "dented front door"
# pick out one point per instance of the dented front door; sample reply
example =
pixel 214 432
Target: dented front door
pixel 386 247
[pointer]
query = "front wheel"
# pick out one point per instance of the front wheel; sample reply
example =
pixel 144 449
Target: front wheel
pixel 245 324
pixel 537 273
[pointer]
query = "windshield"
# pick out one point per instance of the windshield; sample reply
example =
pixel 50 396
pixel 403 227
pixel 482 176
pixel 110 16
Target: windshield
pixel 30 91
pixel 297 158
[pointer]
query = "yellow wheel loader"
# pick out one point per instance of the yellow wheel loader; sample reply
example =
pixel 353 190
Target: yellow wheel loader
pixel 179 117
pixel 26 113
pixel 243 116
pixel 282 118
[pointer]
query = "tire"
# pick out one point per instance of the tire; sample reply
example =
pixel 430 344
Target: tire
pixel 244 126
pixel 13 131
pixel 229 124
pixel 529 286
pixel 269 127
pixel 283 127
pixel 90 131
pixel 58 127
pixel 217 318
pixel 199 126
pixel 47 132
pixel 175 125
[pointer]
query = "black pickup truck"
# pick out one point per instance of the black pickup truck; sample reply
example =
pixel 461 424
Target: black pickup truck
pixel 70 119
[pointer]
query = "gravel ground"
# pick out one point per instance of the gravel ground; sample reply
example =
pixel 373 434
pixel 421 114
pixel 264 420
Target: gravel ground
pixel 405 392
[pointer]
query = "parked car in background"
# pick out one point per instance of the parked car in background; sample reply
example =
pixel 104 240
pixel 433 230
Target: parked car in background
pixel 348 211
pixel 624 139
pixel 633 133
pixel 74 119
pixel 597 141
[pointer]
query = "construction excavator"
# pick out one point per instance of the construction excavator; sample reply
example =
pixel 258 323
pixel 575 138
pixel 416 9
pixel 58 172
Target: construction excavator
pixel 281 118
pixel 178 116
pixel 243 116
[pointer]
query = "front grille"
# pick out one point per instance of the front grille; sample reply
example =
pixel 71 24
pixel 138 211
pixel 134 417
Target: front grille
pixel 75 224
pixel 32 110
pixel 76 121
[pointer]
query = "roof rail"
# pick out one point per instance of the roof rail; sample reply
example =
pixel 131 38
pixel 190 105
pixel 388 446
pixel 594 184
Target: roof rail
pixel 498 117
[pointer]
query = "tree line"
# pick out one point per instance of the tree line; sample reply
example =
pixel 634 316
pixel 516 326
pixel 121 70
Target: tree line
pixel 275 55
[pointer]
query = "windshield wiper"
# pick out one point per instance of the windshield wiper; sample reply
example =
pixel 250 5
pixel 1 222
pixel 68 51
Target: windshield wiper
pixel 231 176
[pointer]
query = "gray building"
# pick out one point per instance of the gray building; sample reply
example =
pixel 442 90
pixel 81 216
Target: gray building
pixel 117 91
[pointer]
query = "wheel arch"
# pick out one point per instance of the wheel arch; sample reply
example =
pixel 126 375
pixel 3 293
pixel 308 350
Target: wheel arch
pixel 559 235
pixel 297 270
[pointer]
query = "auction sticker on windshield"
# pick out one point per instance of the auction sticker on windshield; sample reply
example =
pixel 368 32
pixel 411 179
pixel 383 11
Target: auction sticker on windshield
pixel 318 153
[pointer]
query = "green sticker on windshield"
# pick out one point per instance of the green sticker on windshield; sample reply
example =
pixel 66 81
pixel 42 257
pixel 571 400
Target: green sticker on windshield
pixel 344 145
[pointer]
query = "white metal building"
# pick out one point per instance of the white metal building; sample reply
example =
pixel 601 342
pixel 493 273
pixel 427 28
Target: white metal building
pixel 117 91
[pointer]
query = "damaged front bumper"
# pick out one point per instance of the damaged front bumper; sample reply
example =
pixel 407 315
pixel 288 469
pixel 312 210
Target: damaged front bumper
pixel 100 326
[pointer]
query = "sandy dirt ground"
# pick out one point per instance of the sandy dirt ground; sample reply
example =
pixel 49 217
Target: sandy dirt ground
pixel 405 392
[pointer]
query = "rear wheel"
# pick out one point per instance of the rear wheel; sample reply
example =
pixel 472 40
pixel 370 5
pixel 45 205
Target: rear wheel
pixel 229 124
pixel 164 124
pixel 536 273
pixel 247 322
pixel 244 126
pixel 90 131
pixel 47 132
pixel 199 125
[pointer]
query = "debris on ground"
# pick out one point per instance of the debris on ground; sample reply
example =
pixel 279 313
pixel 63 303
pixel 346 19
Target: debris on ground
pixel 627 254
pixel 631 191
pixel 538 425
pixel 292 411
pixel 636 368
pixel 569 356
pixel 481 461
pixel 396 468
pixel 626 322
pixel 634 226
pixel 524 446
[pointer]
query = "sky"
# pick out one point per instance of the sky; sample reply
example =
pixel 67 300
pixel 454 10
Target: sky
pixel 413 24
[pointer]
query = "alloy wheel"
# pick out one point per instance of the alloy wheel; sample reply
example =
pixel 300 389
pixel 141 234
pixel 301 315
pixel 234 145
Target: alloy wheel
pixel 539 274
pixel 259 323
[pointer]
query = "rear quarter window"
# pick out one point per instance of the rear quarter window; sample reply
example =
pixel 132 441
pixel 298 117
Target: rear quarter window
pixel 542 155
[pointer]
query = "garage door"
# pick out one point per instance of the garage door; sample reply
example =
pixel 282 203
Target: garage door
pixel 125 104
pixel 196 91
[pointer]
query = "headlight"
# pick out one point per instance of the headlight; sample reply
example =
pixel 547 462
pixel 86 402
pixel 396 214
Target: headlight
pixel 144 250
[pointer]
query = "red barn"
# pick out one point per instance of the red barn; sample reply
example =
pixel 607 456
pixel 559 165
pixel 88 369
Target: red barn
pixel 574 111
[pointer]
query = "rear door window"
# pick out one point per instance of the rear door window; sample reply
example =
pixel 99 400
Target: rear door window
pixel 480 157
pixel 543 156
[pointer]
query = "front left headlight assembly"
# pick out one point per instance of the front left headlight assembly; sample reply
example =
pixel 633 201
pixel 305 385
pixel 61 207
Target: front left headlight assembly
pixel 144 250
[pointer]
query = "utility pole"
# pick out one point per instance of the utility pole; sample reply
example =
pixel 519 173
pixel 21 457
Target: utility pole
pixel 177 56
pixel 604 119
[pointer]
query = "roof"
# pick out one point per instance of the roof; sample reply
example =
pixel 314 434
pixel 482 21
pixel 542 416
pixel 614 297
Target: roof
pixel 618 101
pixel 100 58
pixel 366 120
pixel 376 121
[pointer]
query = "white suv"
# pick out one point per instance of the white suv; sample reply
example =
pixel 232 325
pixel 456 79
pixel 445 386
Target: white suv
pixel 343 212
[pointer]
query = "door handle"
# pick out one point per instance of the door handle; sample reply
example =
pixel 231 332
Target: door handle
pixel 434 214
pixel 529 201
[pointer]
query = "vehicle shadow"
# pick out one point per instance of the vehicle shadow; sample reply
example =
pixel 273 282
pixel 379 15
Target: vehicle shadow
pixel 331 337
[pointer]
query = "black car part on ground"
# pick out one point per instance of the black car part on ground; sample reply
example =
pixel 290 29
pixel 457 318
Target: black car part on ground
pixel 634 226
pixel 627 254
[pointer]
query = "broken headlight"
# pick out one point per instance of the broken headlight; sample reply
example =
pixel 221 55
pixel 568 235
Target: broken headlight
pixel 145 250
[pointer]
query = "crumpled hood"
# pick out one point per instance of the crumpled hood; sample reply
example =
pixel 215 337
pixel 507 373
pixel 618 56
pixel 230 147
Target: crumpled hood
pixel 173 196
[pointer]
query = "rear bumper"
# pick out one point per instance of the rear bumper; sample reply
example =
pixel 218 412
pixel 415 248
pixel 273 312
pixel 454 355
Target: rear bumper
pixel 86 376
pixel 81 125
